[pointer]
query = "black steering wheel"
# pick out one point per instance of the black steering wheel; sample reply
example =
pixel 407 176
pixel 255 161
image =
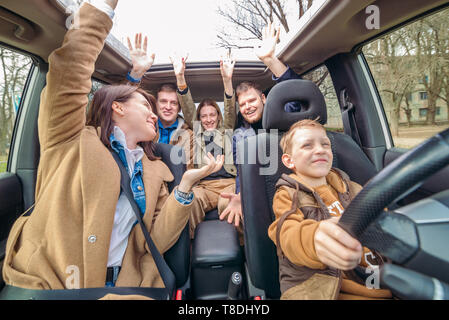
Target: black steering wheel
pixel 406 239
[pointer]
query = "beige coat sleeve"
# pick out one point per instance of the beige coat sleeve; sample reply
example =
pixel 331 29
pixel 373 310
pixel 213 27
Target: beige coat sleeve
pixel 170 218
pixel 229 112
pixel 63 100
pixel 188 107
pixel 297 233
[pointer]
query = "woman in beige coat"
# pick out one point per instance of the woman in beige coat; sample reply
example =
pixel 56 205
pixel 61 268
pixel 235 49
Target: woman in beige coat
pixel 80 224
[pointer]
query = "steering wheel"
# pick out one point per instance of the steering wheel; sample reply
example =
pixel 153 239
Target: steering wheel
pixel 414 237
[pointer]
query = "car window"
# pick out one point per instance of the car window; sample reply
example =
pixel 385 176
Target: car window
pixel 14 70
pixel 322 79
pixel 410 67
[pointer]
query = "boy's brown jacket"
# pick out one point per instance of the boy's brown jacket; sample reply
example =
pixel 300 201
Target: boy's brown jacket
pixel 65 241
pixel 298 210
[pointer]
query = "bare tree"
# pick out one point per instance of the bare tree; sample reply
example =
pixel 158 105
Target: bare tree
pixel 432 53
pixel 248 17
pixel 14 69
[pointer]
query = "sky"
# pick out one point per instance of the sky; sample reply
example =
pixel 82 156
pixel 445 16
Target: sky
pixel 173 26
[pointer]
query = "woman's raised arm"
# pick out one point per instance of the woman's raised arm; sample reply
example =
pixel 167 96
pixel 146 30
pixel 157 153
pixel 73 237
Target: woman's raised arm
pixel 64 99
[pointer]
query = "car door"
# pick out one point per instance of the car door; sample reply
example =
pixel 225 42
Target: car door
pixel 21 81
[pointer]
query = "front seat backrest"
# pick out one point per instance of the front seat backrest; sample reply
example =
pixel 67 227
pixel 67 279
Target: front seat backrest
pixel 178 256
pixel 258 176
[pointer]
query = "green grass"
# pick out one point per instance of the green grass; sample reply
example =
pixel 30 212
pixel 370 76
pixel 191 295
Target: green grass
pixel 3 163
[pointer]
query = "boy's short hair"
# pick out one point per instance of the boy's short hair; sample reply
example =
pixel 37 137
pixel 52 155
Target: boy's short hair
pixel 286 141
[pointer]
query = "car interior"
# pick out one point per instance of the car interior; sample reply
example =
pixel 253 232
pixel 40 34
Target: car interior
pixel 411 184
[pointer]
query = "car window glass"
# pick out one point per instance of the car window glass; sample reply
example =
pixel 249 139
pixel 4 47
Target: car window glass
pixel 410 67
pixel 322 78
pixel 14 70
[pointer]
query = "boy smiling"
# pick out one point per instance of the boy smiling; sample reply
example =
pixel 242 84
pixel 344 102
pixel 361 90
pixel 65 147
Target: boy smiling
pixel 316 256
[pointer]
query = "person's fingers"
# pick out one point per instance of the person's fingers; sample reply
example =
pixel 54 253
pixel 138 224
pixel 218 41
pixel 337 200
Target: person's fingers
pixel 278 32
pixel 231 217
pixel 326 246
pixel 337 233
pixel 224 213
pixel 130 46
pixel 145 44
pixel 331 259
pixel 226 195
pixel 136 41
pixel 237 220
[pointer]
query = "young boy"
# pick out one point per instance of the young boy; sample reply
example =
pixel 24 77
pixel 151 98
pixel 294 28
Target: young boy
pixel 316 256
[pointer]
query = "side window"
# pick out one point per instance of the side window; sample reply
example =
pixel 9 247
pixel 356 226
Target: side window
pixel 14 69
pixel 322 79
pixel 411 71
pixel 96 85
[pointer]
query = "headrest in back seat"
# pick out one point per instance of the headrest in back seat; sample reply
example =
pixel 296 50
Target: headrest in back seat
pixel 304 91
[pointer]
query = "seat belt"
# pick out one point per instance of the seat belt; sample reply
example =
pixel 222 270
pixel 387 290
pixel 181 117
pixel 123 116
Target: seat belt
pixel 165 272
pixel 348 117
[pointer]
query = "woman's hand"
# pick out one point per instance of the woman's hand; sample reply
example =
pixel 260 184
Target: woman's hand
pixel 234 209
pixel 192 176
pixel 335 247
pixel 227 66
pixel 140 59
pixel 179 67
pixel 227 69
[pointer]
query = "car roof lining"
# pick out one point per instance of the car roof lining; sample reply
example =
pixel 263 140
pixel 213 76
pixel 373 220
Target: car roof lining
pixel 337 27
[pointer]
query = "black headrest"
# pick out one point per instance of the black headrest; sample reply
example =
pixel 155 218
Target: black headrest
pixel 306 92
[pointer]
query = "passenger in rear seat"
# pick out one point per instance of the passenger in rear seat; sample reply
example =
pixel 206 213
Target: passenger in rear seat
pixel 212 133
pixel 251 102
pixel 173 129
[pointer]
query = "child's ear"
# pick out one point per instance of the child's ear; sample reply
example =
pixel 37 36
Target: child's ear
pixel 287 161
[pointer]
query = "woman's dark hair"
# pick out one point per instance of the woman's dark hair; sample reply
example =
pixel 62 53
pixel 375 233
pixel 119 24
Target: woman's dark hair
pixel 100 112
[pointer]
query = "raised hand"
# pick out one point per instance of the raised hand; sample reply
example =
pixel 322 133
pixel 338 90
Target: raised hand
pixel 266 51
pixel 141 60
pixel 227 64
pixel 179 63
pixel 192 176
pixel 270 37
pixel 179 67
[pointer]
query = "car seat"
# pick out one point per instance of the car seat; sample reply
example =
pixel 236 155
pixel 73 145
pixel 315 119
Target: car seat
pixel 178 256
pixel 261 167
